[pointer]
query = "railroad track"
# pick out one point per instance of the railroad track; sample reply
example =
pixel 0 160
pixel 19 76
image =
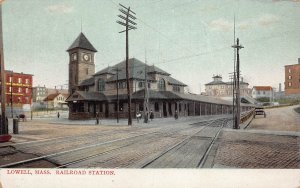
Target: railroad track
pixel 86 154
pixel 181 154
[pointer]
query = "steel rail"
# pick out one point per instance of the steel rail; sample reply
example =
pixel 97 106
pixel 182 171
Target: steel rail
pixel 94 145
pixel 106 152
pixel 68 151
pixel 180 143
pixel 207 152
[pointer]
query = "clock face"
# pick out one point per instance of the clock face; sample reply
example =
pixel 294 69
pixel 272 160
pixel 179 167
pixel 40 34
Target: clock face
pixel 86 57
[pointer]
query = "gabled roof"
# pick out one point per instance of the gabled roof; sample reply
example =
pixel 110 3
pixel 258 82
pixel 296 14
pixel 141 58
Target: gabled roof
pixel 173 81
pixel 155 94
pixel 82 42
pixel 88 82
pixel 51 97
pixel 89 96
pixel 154 69
pixel 107 70
pixel 136 71
pixel 262 88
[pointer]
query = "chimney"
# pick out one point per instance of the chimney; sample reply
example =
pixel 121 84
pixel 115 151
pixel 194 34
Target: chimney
pixel 299 61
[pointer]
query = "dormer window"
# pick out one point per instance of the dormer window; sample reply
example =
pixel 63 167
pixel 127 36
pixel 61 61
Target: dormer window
pixel 161 85
pixel 101 85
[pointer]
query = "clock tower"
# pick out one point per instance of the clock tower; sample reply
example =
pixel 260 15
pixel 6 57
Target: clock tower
pixel 81 61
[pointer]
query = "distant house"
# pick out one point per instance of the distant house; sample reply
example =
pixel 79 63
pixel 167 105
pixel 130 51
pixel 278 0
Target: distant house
pixel 39 93
pixel 56 100
pixel 218 88
pixel 262 92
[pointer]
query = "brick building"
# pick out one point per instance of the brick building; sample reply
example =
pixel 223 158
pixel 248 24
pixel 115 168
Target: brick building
pixel 18 88
pixel 292 79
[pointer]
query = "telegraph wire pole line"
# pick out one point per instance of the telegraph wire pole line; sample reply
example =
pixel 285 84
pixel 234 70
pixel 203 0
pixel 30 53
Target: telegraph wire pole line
pixel 127 15
pixel 237 46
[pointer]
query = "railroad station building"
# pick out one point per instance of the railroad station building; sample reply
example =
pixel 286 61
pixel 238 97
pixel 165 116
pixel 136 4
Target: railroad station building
pixel 99 92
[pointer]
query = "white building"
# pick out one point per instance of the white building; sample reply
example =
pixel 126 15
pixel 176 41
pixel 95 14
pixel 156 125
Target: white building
pixel 262 92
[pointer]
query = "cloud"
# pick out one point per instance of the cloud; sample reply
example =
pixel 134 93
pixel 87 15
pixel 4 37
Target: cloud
pixel 221 25
pixel 224 25
pixel 267 20
pixel 60 8
pixel 294 1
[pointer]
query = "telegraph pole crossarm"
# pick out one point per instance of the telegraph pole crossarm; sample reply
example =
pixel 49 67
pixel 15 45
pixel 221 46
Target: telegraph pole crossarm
pixel 127 17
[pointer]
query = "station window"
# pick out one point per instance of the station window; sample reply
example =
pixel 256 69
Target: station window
pixel 122 85
pixel 19 80
pixel 141 84
pixel 290 77
pixel 290 84
pixel 101 85
pixel 161 85
pixel 156 107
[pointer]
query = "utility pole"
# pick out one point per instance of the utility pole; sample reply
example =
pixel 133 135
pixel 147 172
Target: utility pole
pixel 146 97
pixel 234 78
pixel 4 126
pixel 117 85
pixel 11 95
pixel 129 25
pixel 238 100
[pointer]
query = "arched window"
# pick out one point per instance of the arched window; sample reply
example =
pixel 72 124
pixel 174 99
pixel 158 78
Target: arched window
pixel 161 85
pixel 101 85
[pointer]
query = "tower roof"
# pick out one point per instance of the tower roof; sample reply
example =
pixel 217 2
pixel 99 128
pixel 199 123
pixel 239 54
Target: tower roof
pixel 83 43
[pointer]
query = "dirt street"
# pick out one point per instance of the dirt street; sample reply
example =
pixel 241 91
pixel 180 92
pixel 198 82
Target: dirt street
pixel 278 119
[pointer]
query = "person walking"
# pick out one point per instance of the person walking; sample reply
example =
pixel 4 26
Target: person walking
pixel 58 115
pixel 97 118
pixel 176 115
pixel 151 115
pixel 138 116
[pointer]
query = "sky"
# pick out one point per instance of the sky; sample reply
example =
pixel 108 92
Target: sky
pixel 190 39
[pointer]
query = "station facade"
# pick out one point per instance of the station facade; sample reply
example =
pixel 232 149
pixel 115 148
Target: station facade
pixel 100 92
